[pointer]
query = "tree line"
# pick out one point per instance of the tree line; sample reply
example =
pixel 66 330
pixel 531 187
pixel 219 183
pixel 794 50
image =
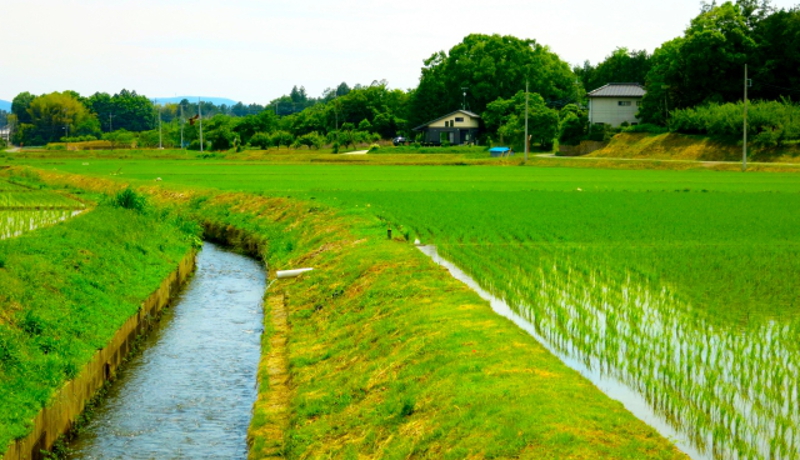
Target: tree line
pixel 485 74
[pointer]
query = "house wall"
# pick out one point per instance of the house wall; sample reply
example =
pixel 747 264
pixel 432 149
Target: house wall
pixel 455 136
pixel 608 110
pixel 468 122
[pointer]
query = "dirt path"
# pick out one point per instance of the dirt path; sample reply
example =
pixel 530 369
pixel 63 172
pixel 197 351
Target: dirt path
pixel 665 160
pixel 357 152
pixel 273 405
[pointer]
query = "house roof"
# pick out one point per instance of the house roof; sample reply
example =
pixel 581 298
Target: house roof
pixel 465 112
pixel 619 90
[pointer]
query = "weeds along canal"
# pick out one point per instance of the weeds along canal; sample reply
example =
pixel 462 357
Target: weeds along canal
pixel 189 391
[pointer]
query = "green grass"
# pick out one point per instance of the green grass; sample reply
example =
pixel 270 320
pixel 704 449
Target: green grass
pixel 65 290
pixel 678 282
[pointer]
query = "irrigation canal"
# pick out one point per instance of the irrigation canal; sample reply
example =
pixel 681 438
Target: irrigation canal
pixel 189 392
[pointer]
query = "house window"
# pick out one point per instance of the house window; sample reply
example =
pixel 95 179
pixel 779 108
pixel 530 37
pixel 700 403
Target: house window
pixel 624 103
pixel 638 103
pixel 459 119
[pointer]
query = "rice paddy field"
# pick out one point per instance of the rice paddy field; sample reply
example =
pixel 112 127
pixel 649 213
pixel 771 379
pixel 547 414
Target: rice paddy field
pixel 683 285
pixel 23 209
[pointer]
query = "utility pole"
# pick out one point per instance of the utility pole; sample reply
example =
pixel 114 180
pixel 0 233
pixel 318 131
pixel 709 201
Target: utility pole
pixel 526 120
pixel 200 117
pixel 160 144
pixel 183 146
pixel 744 144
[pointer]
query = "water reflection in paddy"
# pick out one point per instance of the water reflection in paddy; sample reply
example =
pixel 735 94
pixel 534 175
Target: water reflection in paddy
pixel 723 391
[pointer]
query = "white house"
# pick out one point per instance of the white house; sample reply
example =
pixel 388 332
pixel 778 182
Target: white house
pixel 615 103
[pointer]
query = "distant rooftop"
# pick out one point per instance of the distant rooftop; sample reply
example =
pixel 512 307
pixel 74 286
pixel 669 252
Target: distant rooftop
pixel 619 90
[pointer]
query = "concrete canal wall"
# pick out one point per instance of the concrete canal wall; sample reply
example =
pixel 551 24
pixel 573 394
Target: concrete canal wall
pixel 59 416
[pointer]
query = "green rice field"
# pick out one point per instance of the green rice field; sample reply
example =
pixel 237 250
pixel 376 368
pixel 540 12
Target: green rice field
pixel 683 285
pixel 23 210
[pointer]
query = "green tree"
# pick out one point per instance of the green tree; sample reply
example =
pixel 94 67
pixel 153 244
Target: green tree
pixel 621 66
pixel 57 115
pixel 506 118
pixel 132 111
pixel 20 105
pixel 490 67
pixel 774 71
pixel 707 64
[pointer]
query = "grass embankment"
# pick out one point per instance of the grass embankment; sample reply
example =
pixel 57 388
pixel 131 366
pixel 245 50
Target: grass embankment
pixel 673 146
pixel 389 357
pixel 65 290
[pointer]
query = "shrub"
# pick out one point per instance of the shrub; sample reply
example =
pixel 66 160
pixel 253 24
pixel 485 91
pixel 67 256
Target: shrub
pixel 130 199
pixel 374 147
pixel 573 130
pixel 261 140
pixel 770 123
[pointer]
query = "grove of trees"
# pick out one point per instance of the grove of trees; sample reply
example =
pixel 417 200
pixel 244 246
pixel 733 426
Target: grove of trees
pixel 693 82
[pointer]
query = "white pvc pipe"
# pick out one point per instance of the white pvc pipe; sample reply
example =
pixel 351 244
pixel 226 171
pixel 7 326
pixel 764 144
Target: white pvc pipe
pixel 281 274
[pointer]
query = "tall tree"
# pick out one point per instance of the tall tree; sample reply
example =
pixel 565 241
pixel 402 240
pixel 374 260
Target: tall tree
pixel 487 67
pixel 707 63
pixel 56 115
pixel 775 70
pixel 620 66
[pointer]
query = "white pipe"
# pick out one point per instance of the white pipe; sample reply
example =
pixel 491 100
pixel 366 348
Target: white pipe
pixel 281 274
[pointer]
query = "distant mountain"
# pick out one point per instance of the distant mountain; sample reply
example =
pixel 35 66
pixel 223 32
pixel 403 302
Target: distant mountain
pixel 214 100
pixel 5 105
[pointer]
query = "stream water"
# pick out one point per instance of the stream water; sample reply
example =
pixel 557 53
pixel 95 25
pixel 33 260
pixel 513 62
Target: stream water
pixel 189 392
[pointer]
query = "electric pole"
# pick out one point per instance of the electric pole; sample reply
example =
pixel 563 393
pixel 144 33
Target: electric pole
pixel 183 146
pixel 526 120
pixel 200 117
pixel 744 144
pixel 160 144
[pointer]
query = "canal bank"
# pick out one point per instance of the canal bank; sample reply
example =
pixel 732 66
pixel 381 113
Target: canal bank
pixel 73 297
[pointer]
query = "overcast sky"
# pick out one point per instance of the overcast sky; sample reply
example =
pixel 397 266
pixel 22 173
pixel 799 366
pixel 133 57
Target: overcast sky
pixel 256 50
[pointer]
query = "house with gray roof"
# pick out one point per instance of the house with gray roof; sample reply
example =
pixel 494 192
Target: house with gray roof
pixel 458 127
pixel 615 103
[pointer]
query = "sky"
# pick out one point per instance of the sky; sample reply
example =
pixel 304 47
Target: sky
pixel 256 50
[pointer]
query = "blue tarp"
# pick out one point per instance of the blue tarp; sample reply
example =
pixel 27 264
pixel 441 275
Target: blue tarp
pixel 500 151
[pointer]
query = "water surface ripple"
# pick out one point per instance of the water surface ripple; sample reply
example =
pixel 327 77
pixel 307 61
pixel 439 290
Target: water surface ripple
pixel 189 393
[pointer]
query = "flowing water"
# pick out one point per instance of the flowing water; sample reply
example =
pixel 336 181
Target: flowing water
pixel 189 392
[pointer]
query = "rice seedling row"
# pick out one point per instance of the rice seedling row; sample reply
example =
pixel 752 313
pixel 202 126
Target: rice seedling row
pixel 687 298
pixel 37 200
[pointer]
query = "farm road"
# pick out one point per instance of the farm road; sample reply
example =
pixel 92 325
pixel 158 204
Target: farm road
pixel 702 162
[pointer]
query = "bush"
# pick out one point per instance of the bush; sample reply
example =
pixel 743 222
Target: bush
pixel 646 128
pixel 770 123
pixel 374 148
pixel 261 140
pixel 572 130
pixel 130 199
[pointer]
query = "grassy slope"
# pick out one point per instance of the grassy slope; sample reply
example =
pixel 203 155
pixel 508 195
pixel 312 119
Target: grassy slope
pixel 390 357
pixel 672 146
pixel 64 291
